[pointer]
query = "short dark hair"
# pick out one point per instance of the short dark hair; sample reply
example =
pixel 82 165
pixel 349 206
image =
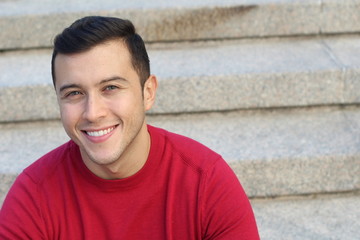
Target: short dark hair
pixel 90 31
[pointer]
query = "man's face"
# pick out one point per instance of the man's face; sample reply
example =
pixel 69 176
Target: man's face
pixel 102 104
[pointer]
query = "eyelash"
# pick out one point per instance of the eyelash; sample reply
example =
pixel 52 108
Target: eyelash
pixel 73 93
pixel 110 88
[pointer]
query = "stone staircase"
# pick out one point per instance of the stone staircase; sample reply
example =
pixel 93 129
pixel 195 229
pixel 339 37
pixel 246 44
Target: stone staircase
pixel 273 86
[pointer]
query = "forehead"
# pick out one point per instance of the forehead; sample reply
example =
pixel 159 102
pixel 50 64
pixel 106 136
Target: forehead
pixel 108 58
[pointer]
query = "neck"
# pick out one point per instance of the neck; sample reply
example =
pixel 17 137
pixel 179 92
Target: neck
pixel 132 161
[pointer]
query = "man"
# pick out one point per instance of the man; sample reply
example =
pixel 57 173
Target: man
pixel 119 178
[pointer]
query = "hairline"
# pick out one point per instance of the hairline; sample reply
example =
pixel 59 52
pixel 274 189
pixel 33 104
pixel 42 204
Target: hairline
pixel 121 40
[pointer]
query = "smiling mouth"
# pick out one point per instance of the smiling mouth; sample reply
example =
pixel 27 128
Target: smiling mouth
pixel 100 132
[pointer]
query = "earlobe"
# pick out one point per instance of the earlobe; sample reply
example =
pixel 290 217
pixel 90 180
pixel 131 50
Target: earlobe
pixel 150 92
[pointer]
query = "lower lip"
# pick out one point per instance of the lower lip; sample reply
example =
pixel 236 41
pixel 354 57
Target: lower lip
pixel 102 138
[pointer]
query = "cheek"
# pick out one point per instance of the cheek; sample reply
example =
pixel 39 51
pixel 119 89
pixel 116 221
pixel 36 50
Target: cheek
pixel 126 104
pixel 68 116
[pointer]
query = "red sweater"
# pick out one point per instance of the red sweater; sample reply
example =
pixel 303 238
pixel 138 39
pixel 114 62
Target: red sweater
pixel 184 191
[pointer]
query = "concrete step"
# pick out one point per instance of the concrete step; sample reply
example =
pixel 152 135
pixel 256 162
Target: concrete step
pixel 208 76
pixel 273 152
pixel 330 217
pixel 29 24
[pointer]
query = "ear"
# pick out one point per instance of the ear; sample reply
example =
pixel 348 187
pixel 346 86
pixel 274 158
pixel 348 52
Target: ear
pixel 150 87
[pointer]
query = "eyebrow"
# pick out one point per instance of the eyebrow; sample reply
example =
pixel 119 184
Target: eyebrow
pixel 73 85
pixel 66 86
pixel 114 78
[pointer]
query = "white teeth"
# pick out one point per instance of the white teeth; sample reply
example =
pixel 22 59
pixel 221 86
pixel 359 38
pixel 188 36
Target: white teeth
pixel 100 133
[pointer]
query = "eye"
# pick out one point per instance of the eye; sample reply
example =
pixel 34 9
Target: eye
pixel 73 93
pixel 110 88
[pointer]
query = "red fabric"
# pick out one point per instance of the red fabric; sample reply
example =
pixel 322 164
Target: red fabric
pixel 184 191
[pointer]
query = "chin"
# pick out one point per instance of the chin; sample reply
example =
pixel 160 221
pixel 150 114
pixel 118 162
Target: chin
pixel 103 160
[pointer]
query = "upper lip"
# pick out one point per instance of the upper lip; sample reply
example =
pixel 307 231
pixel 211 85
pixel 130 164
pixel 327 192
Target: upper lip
pixel 98 129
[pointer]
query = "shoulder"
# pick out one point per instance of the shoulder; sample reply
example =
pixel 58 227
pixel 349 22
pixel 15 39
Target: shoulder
pixel 49 163
pixel 192 152
pixel 24 203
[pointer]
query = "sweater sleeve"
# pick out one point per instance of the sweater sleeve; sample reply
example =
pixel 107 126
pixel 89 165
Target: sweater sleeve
pixel 226 210
pixel 20 217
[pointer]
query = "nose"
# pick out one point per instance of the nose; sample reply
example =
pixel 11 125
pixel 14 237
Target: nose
pixel 94 109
